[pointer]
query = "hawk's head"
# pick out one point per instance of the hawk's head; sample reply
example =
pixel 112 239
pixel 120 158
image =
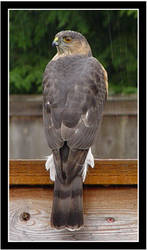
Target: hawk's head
pixel 70 42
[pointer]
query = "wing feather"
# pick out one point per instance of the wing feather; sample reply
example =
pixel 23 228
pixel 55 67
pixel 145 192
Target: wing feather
pixel 74 97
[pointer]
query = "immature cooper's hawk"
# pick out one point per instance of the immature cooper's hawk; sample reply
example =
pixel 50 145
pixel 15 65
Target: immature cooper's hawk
pixel 74 92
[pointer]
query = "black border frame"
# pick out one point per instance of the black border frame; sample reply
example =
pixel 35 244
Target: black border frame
pixel 142 97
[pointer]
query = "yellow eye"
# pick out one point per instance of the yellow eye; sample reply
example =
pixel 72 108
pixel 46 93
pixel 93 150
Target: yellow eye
pixel 67 39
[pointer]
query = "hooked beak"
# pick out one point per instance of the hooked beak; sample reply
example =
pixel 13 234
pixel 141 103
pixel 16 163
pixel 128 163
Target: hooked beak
pixel 55 42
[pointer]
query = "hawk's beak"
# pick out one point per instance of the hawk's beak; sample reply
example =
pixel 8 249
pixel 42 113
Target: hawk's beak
pixel 55 42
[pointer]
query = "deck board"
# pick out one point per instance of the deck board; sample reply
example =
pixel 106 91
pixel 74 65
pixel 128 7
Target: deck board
pixel 110 214
pixel 106 172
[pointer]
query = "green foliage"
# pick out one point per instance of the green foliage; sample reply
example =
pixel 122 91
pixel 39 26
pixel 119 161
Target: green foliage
pixel 117 89
pixel 112 35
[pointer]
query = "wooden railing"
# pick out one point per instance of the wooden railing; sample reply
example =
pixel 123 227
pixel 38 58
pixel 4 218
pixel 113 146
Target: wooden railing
pixel 106 172
pixel 110 211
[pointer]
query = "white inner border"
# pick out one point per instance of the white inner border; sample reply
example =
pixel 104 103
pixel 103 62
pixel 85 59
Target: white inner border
pixel 137 116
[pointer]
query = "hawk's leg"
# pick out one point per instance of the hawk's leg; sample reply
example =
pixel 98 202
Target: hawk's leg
pixel 50 165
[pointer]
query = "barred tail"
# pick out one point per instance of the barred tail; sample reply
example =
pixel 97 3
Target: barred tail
pixel 67 209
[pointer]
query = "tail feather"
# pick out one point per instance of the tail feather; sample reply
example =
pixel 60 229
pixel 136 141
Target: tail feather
pixel 67 209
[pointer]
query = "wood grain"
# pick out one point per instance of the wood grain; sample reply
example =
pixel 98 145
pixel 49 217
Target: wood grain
pixel 106 172
pixel 110 214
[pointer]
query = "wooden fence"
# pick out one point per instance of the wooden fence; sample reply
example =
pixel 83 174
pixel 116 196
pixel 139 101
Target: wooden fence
pixel 116 138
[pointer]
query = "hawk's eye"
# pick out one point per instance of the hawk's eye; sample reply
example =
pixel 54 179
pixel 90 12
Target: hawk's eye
pixel 67 39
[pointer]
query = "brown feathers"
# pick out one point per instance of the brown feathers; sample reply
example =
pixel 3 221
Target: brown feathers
pixel 67 210
pixel 75 87
pixel 78 45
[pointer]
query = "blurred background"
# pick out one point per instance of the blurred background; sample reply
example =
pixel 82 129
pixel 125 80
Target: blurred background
pixel 112 35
